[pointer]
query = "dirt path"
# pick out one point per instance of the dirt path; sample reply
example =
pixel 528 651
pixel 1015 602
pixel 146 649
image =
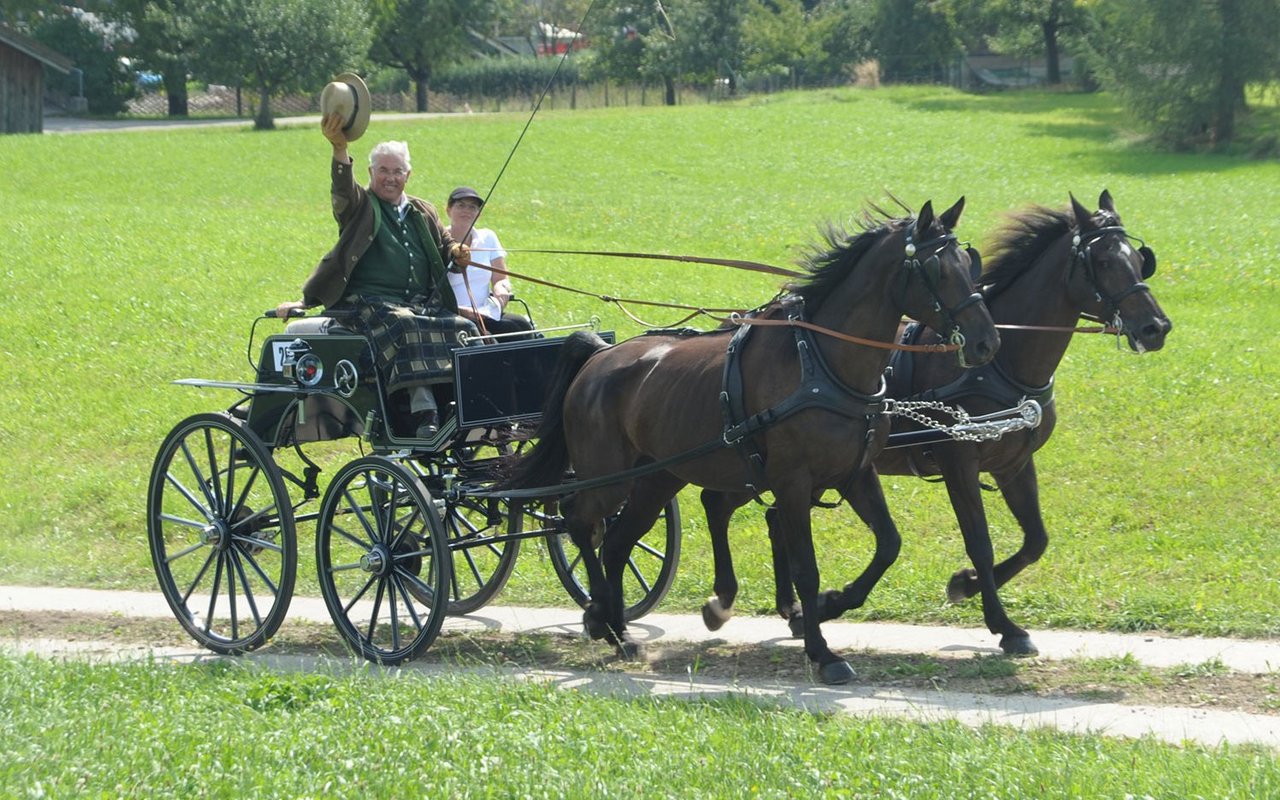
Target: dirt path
pixel 1208 691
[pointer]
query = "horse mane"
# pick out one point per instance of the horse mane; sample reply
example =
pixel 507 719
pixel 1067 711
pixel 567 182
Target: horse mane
pixel 1022 240
pixel 829 265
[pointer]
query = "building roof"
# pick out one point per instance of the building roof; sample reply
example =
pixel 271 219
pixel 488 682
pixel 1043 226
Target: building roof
pixel 34 49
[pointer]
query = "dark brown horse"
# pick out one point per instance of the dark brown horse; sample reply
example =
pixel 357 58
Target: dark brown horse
pixel 658 400
pixel 1048 268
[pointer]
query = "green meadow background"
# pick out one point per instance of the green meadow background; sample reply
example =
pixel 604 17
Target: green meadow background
pixel 131 259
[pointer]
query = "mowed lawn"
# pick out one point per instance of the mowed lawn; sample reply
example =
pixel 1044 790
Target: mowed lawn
pixel 133 259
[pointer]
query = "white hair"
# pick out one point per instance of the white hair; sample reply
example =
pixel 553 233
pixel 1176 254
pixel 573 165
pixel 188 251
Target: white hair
pixel 400 149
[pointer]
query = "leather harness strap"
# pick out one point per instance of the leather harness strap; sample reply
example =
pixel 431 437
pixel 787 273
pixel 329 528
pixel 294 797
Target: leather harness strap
pixel 819 388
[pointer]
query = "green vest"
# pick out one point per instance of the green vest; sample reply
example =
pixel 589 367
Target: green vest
pixel 402 260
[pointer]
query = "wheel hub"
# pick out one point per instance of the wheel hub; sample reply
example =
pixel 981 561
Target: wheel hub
pixel 215 534
pixel 375 561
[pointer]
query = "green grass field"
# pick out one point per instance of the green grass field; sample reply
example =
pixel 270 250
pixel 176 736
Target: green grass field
pixel 133 259
pixel 220 730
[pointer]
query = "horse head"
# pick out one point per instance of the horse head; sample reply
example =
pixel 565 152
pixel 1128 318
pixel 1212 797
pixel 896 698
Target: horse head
pixel 1107 274
pixel 936 285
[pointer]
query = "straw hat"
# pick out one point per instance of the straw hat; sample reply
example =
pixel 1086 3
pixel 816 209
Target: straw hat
pixel 348 97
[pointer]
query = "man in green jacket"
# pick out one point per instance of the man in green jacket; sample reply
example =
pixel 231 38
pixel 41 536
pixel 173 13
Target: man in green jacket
pixel 388 267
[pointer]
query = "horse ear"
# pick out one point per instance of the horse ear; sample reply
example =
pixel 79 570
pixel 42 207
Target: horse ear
pixel 1106 203
pixel 925 219
pixel 1082 214
pixel 951 216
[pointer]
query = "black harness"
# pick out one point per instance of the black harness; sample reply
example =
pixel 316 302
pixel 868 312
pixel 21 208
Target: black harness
pixel 819 388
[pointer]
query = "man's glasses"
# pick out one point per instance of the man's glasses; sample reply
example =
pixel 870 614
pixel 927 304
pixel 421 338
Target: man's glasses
pixel 398 172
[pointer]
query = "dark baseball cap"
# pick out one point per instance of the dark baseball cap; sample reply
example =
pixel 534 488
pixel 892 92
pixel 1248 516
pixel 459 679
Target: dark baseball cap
pixel 463 192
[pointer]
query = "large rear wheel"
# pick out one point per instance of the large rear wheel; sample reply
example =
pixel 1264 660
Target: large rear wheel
pixel 481 566
pixel 221 532
pixel 650 570
pixel 383 560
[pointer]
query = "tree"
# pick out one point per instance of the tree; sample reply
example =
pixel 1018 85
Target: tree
pixel 1027 26
pixel 92 47
pixel 279 45
pixel 778 33
pixel 709 46
pixel 1182 65
pixel 421 36
pixel 165 40
pixel 913 39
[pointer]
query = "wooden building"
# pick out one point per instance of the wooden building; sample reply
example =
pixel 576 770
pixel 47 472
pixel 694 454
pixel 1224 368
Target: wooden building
pixel 22 63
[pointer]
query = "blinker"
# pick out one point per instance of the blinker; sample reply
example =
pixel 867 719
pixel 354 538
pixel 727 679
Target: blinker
pixel 1148 261
pixel 975 263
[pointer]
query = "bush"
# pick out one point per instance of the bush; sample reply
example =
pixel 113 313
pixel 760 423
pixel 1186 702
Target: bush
pixel 108 84
pixel 505 78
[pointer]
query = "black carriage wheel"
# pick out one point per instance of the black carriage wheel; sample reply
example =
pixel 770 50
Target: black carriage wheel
pixel 480 569
pixel 650 570
pixel 221 532
pixel 378 534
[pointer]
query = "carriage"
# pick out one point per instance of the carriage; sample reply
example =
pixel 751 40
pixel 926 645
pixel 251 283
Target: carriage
pixel 406 534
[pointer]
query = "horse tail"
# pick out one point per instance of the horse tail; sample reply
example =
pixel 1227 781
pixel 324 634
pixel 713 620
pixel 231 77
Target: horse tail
pixel 547 462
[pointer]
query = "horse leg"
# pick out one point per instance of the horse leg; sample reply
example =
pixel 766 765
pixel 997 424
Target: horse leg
pixel 961 477
pixel 1021 494
pixel 719 508
pixel 649 495
pixel 784 594
pixel 582 530
pixel 866 497
pixel 793 511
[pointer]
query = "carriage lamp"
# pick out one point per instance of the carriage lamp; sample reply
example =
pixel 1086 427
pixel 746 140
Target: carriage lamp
pixel 300 364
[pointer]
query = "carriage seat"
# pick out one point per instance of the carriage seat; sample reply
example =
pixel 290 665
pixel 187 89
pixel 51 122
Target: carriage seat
pixel 311 325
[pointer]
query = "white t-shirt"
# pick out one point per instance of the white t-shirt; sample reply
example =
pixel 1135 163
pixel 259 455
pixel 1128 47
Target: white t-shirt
pixel 485 249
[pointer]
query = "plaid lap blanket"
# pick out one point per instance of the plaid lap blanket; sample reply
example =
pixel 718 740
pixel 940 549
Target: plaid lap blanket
pixel 410 350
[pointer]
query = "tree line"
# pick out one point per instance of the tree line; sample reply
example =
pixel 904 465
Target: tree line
pixel 1184 68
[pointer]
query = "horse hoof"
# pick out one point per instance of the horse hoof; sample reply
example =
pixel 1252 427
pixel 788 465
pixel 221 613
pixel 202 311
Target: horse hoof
pixel 1018 645
pixel 714 615
pixel 836 673
pixel 796 624
pixel 630 650
pixel 962 586
pixel 594 623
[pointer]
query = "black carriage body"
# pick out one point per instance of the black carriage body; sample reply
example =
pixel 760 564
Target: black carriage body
pixel 320 386
pixel 342 392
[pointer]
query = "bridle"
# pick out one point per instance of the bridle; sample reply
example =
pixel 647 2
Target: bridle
pixel 1082 255
pixel 929 272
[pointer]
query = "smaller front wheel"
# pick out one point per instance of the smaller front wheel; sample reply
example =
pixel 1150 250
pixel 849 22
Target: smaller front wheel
pixel 383 560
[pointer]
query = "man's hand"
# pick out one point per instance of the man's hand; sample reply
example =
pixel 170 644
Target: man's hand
pixel 331 125
pixel 286 309
pixel 460 254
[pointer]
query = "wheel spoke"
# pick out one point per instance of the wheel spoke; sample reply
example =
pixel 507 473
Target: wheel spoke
pixel 213 594
pixel 234 512
pixel 213 470
pixel 231 594
pixel 399 577
pixel 253 541
pixel 199 476
pixel 373 616
pixel 635 573
pixel 213 555
pixel 238 558
pixel 191 498
pixel 169 559
pixel 176 520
